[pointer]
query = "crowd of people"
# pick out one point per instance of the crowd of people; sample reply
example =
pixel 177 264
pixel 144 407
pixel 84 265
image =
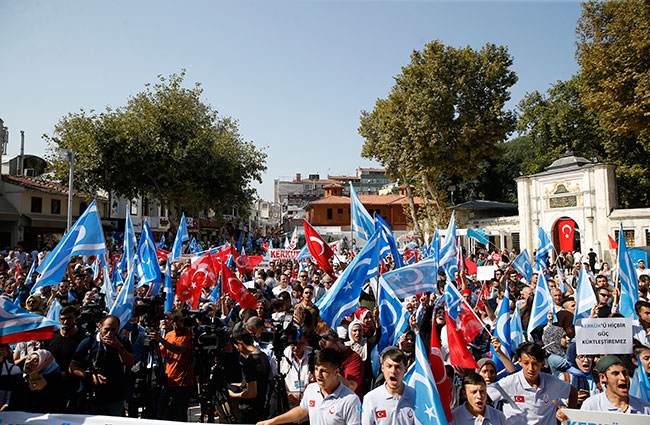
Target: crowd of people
pixel 281 363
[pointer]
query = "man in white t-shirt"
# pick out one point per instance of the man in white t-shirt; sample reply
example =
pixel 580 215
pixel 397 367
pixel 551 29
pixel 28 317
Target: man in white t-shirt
pixel 326 402
pixel 394 402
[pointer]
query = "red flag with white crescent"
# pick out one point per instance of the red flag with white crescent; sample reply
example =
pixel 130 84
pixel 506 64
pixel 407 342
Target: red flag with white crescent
pixel 566 229
pixel 237 290
pixel 200 274
pixel 443 382
pixel 319 250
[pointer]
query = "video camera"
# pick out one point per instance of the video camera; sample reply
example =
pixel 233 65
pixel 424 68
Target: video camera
pixel 151 309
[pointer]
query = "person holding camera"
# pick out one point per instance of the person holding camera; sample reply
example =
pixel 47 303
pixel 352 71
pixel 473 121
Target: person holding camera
pixel 99 361
pixel 176 349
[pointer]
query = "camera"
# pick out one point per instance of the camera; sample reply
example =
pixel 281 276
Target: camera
pixel 151 309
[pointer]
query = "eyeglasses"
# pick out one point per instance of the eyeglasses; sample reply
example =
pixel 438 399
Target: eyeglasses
pixel 307 292
pixel 604 295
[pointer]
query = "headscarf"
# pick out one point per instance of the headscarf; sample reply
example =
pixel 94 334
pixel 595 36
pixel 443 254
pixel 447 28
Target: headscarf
pixel 579 378
pixel 360 314
pixel 361 347
pixel 38 305
pixel 46 362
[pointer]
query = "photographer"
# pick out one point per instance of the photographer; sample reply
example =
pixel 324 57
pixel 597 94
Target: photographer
pixel 255 368
pixel 176 349
pixel 99 361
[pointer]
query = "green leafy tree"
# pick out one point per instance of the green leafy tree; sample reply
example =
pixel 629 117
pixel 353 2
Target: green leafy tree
pixel 166 143
pixel 443 117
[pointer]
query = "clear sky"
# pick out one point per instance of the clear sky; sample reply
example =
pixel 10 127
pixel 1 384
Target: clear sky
pixel 295 74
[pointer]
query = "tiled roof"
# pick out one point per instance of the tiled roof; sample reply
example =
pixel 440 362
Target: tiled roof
pixel 367 200
pixel 46 186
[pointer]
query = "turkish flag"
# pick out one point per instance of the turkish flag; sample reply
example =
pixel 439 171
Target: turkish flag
pixel 566 229
pixel 318 249
pixel 162 254
pixel 200 274
pixel 380 414
pixel 17 271
pixel 470 326
pixel 237 290
pixel 443 383
pixel 459 354
pixel 246 263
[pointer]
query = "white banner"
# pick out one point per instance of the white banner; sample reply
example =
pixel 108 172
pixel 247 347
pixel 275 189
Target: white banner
pixel 50 419
pixel 283 254
pixel 587 417
pixel 604 336
pixel 485 272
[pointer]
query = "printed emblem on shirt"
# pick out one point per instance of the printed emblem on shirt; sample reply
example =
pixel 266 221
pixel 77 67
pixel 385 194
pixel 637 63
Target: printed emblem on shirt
pixel 410 414
pixel 312 403
pixel 380 414
pixel 520 399
pixel 546 400
pixel 332 410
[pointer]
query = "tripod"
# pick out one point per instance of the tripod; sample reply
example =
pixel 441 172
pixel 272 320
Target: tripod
pixel 147 380
pixel 213 390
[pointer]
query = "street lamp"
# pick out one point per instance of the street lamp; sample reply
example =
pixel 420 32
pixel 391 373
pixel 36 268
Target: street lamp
pixel 67 155
pixel 452 188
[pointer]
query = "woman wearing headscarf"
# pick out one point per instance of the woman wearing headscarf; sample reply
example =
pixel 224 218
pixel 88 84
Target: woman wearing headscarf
pixel 34 304
pixel 579 371
pixel 43 391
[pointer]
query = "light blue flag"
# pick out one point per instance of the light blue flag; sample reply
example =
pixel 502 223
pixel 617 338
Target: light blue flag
pixel 30 274
pixel 181 236
pixel 627 278
pixel 640 384
pixel 85 237
pixel 560 278
pixel 161 245
pixel 108 287
pixel 169 287
pixel 428 408
pixel 393 318
pixel 523 265
pixel 544 246
pixel 479 235
pixel 55 311
pixel 343 297
pixel 453 301
pixel 249 243
pixel 304 253
pixel 214 295
pixel 516 330
pixel 130 240
pixel 362 223
pixel 585 297
pixel 502 328
pixel 146 258
pixel 387 241
pixel 542 305
pixel 448 249
pixel 123 306
pixel 95 268
pixel 434 247
pixel 413 279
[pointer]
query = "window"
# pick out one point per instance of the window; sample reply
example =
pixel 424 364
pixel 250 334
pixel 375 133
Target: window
pixel 82 207
pixel 37 204
pixel 55 206
pixel 329 213
pixel 515 242
pixel 339 211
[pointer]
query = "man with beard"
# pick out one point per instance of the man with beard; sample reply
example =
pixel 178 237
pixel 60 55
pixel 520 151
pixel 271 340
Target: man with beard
pixel 63 345
pixel 393 402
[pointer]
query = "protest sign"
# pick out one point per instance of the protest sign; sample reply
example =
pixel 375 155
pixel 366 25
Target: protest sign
pixel 604 336
pixel 485 272
pixel 588 417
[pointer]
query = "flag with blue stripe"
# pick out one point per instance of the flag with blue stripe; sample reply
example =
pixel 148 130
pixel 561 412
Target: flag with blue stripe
pixel 393 318
pixel 640 383
pixel 413 279
pixel 428 408
pixel 542 304
pixel 502 328
pixel 123 306
pixel 168 287
pixel 448 249
pixel 523 265
pixel 85 237
pixel 387 241
pixel 479 235
pixel 181 236
pixel 55 311
pixel 628 278
pixel 544 246
pixel 516 330
pixel 585 297
pixel 17 324
pixel 362 223
pixel 343 297
pixel 146 258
